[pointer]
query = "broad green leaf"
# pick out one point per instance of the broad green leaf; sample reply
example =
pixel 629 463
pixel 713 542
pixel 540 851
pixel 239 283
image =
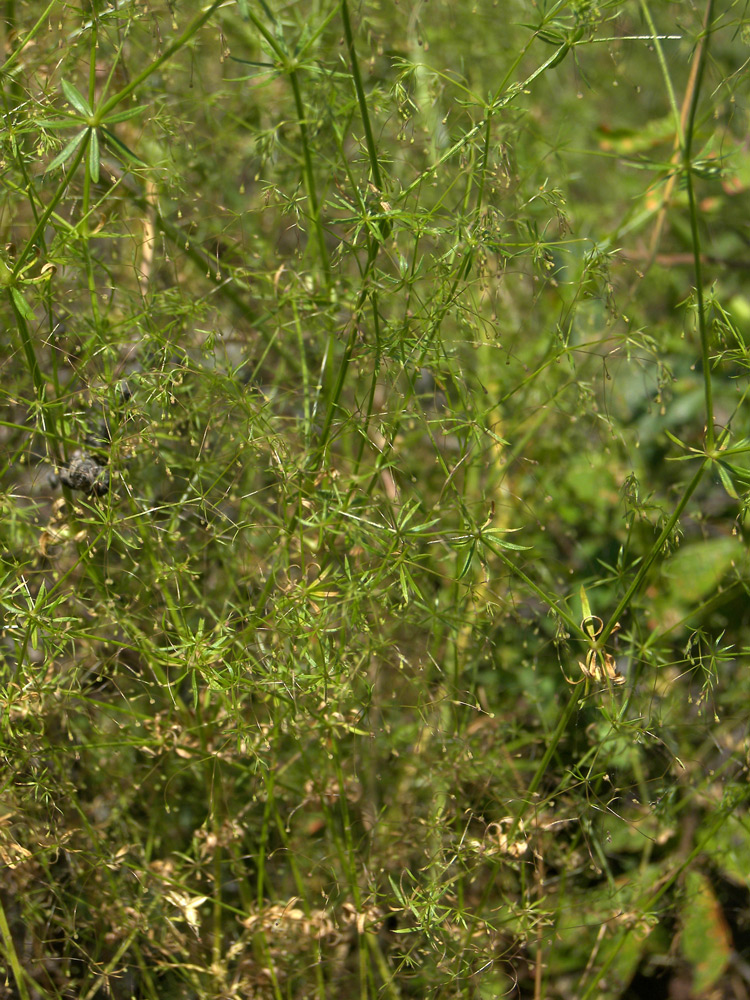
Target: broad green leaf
pixel 604 929
pixel 76 98
pixel 729 848
pixel 627 141
pixel 68 151
pixel 696 570
pixel 706 940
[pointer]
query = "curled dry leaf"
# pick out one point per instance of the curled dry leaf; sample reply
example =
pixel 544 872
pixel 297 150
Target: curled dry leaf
pixel 516 847
pixel 601 667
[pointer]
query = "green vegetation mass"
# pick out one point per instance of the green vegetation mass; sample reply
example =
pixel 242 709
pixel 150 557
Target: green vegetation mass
pixel 374 481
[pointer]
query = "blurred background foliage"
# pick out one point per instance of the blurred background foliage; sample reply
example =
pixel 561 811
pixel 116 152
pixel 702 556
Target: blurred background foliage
pixel 394 644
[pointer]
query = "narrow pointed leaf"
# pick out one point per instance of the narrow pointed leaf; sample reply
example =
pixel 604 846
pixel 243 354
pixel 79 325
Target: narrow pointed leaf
pixel 676 440
pixel 726 480
pixel 76 98
pixel 54 124
pixel 585 606
pixel 502 544
pixel 94 156
pixel 117 146
pixel 268 13
pixel 123 116
pixel 22 305
pixel 467 561
pixel 68 151
pixel 741 447
pixel 739 474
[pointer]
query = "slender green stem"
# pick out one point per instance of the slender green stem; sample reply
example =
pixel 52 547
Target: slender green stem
pixel 195 25
pixel 367 416
pixel 717 821
pixel 483 168
pixel 62 187
pixel 12 955
pixel 47 411
pixel 29 37
pixel 473 132
pixel 361 99
pixel 335 396
pixel 695 233
pixel 653 553
pixel 289 66
pixel 302 890
pixel 230 288
pixel 664 68
pixel 309 175
pixel 260 878
pixel 550 601
pixel 87 181
pixel 574 700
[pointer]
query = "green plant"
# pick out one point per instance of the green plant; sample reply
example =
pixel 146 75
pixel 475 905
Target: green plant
pixel 373 499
